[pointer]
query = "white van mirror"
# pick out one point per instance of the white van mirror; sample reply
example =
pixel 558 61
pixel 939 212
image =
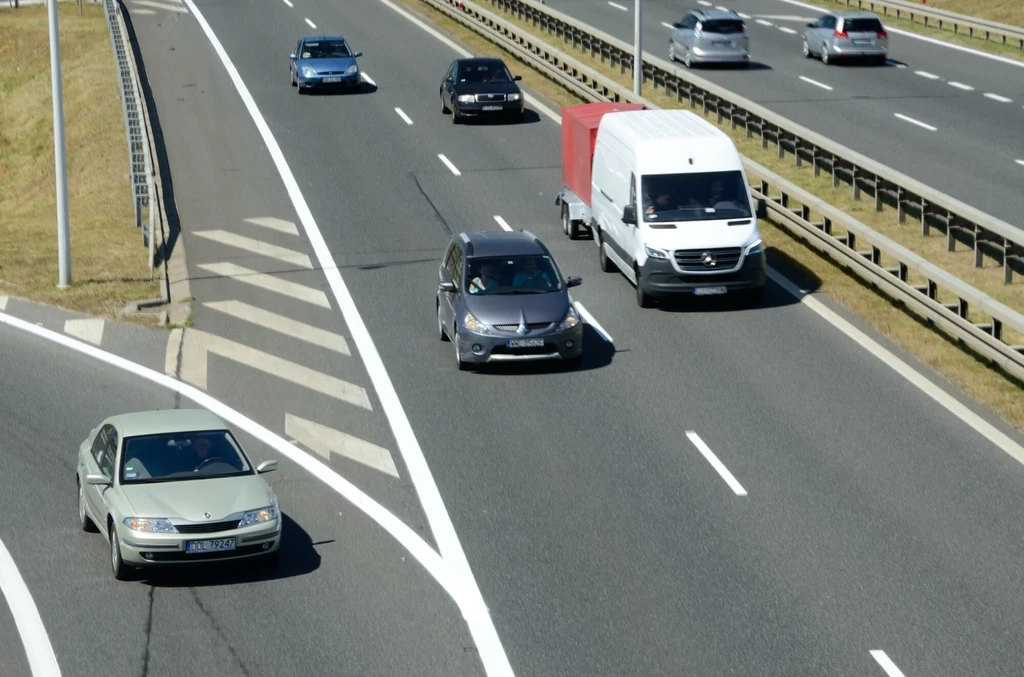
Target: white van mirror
pixel 629 214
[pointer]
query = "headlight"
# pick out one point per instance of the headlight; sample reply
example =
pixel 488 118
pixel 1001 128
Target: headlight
pixel 656 253
pixel 150 525
pixel 754 248
pixel 572 318
pixel 467 98
pixel 260 516
pixel 513 97
pixel 698 51
pixel 351 69
pixel 308 72
pixel 473 324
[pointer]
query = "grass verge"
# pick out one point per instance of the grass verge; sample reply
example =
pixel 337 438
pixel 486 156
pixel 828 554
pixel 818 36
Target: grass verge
pixel 108 261
pixel 989 386
pixel 1009 12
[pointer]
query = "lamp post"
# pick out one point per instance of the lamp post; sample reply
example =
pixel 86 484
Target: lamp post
pixel 638 53
pixel 59 156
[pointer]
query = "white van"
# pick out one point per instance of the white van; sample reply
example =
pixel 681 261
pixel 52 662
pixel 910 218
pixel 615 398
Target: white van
pixel 693 229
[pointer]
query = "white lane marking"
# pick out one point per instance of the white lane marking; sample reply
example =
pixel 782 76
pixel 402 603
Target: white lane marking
pixel 456 576
pixel 786 17
pixel 311 24
pixel 960 85
pixel 589 319
pixel 87 329
pixel 764 23
pixel 366 78
pixel 787 29
pixel 42 661
pixel 160 6
pixel 402 115
pixel 722 8
pixel 890 62
pixel 501 222
pixel 3 303
pixel 282 325
pixel 667 25
pixel 264 281
pixel 255 246
pixel 997 97
pixel 925 38
pixel 926 74
pixel 743 16
pixel 704 2
pixel 544 110
pixel 448 163
pixel 618 6
pixel 196 347
pixel 886 663
pixel 288 3
pixel 915 122
pixel 143 12
pixel 1020 162
pixel 280 225
pixel 816 83
pixel 980 425
pixel 324 440
pixel 715 463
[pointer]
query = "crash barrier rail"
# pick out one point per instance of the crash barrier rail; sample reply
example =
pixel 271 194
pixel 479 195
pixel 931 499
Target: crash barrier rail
pixel 930 17
pixel 140 154
pixel 864 251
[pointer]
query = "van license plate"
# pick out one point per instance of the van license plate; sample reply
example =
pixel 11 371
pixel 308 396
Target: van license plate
pixel 492 107
pixel 526 343
pixel 708 291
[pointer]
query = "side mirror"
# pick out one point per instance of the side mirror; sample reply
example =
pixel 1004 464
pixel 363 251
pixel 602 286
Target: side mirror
pixel 447 287
pixel 762 209
pixel 517 78
pixel 629 214
pixel 449 78
pixel 98 480
pixel 677 25
pixel 574 281
pixel 266 466
pixel 292 55
pixel 812 25
pixel 357 55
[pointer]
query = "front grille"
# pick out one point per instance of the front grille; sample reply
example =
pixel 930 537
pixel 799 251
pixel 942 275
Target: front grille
pixel 207 528
pixel 330 72
pixel 538 350
pixel 692 260
pixel 531 326
pixel 486 98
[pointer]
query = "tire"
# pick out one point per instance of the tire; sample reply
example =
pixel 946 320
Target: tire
pixel 121 571
pixel 672 51
pixel 455 117
pixel 807 50
pixel 824 55
pixel 643 299
pixel 441 333
pixel 607 265
pixel 571 228
pixel 444 108
pixel 84 521
pixel 291 78
pixel 687 61
pixel 463 366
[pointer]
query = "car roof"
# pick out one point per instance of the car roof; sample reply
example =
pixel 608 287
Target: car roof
pixel 322 37
pixel 480 60
pixel 166 421
pixel 502 243
pixel 716 14
pixel 856 15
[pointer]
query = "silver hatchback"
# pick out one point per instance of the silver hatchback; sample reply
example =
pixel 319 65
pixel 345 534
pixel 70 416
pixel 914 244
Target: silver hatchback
pixel 710 36
pixel 847 35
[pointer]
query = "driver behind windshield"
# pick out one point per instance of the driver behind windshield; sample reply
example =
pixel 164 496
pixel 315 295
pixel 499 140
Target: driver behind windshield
pixel 530 275
pixel 202 446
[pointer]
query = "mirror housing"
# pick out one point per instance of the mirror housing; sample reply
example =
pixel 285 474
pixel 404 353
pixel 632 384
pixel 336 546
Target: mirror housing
pixel 812 25
pixel 762 209
pixel 292 55
pixel 677 25
pixel 357 55
pixel 98 480
pixel 574 281
pixel 266 466
pixel 629 214
pixel 449 78
pixel 517 78
pixel 447 287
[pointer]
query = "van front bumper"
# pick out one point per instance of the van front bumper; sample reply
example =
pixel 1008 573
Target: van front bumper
pixel 660 278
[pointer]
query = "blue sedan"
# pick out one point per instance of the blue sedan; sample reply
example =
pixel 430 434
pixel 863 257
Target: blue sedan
pixel 324 61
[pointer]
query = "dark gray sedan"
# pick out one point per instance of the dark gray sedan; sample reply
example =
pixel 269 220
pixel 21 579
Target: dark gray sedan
pixel 501 297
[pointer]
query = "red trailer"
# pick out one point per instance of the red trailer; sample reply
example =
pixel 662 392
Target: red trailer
pixel 579 134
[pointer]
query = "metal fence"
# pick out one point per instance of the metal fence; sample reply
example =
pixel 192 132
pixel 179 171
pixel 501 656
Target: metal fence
pixel 970 315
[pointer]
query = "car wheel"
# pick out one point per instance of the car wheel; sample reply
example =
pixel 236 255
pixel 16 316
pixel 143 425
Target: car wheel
pixel 121 571
pixel 444 108
pixel 807 49
pixel 441 334
pixel 671 51
pixel 824 54
pixel 686 60
pixel 291 78
pixel 606 264
pixel 83 518
pixel 463 366
pixel 455 116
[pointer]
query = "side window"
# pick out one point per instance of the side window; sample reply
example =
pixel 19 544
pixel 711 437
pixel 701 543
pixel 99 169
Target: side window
pixel 449 260
pixel 689 22
pixel 830 22
pixel 632 189
pixel 106 460
pixel 452 70
pixel 298 49
pixel 457 269
pixel 99 444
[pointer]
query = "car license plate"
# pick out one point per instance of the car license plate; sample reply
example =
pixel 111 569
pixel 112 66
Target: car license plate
pixel 332 79
pixel 709 291
pixel 492 107
pixel 525 343
pixel 863 42
pixel 213 545
pixel 724 43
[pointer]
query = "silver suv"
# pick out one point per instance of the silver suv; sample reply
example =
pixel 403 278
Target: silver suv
pixel 845 35
pixel 710 36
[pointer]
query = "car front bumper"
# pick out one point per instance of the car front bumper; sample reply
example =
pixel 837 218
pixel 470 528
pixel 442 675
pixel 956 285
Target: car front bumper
pixel 329 81
pixel 660 278
pixel 146 549
pixel 492 348
pixel 497 108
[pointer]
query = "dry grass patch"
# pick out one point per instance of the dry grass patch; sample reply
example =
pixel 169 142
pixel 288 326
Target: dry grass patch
pixel 990 387
pixel 108 261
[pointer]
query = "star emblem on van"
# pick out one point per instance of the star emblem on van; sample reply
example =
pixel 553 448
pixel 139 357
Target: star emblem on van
pixel 708 259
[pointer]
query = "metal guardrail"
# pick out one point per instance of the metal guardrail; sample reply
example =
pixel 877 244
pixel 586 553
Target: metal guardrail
pixel 1011 36
pixel 986 337
pixel 139 152
pixel 988 235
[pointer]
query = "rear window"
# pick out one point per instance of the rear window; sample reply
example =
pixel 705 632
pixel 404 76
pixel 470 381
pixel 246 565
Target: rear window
pixel 862 25
pixel 722 26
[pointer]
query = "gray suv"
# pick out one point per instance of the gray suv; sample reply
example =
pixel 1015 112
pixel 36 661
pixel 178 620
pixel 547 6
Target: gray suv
pixel 710 36
pixel 501 298
pixel 845 35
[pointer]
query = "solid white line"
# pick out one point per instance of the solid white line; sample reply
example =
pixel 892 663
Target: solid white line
pixel 704 2
pixel 618 6
pixel 1020 162
pixel 815 83
pixel 42 661
pixel 715 463
pixel 255 246
pixel 367 78
pixel 282 325
pixel 722 8
pixel 589 319
pixel 311 24
pixel 887 664
pixel 667 25
pixel 960 85
pixel 449 164
pixel 264 281
pixel 925 74
pixel 288 3
pixel 743 16
pixel 787 29
pixel 501 222
pixel 996 97
pixel 763 22
pixel 402 115
pixel 160 6
pixel 460 583
pixel 915 122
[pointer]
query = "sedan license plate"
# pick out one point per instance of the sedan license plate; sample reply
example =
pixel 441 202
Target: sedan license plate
pixel 492 107
pixel 526 343
pixel 213 545
pixel 724 43
pixel 708 291
pixel 863 42
pixel 332 79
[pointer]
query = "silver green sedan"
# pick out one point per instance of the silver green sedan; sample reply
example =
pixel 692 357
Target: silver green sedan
pixel 174 486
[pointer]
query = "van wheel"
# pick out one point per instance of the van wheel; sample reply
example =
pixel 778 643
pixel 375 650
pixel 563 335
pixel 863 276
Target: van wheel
pixel 606 264
pixel 571 228
pixel 643 299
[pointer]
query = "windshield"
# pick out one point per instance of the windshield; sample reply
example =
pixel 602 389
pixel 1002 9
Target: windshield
pixel 180 457
pixel 326 49
pixel 495 275
pixel 484 72
pixel 694 197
